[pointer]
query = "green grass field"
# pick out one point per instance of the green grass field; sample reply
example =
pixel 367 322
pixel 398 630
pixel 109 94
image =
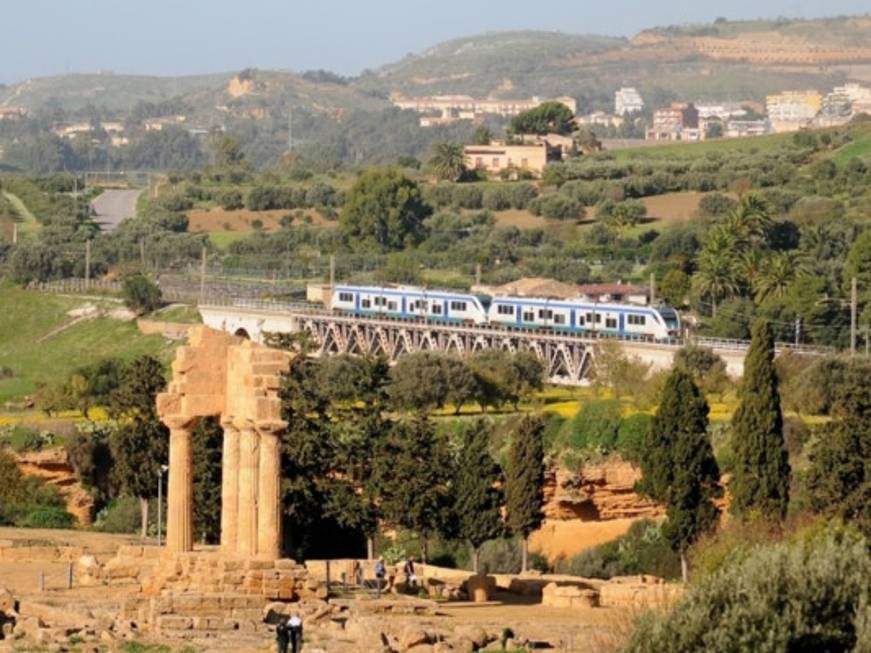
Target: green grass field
pixel 691 150
pixel 860 148
pixel 28 317
pixel 223 239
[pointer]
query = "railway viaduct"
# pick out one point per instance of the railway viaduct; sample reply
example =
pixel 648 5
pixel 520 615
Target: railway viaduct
pixel 567 358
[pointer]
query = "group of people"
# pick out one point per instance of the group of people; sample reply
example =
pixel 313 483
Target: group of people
pixel 288 632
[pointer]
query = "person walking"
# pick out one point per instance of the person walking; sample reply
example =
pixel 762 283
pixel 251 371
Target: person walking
pixel 294 625
pixel 380 573
pixel 282 634
pixel 408 570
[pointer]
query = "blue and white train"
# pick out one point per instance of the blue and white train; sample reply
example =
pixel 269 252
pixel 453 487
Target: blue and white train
pixel 557 315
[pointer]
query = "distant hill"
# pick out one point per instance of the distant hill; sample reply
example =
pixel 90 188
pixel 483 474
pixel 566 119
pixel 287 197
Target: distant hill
pixel 722 60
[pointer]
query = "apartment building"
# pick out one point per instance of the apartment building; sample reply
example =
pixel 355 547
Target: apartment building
pixel 722 110
pixel 443 109
pixel 792 110
pixel 678 122
pixel 12 113
pixel 627 100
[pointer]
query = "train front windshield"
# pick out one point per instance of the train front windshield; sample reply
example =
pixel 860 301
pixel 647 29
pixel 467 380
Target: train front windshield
pixel 671 318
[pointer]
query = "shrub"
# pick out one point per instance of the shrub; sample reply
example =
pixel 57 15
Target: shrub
pixel 22 438
pixel 6 372
pixel 122 515
pixel 807 595
pixel 48 517
pixel 642 550
pixel 522 194
pixel 631 434
pixel 497 199
pixel 140 293
pixel 467 197
pixel 231 200
pixel 596 426
pixel 715 204
pixel 556 206
pixel 502 556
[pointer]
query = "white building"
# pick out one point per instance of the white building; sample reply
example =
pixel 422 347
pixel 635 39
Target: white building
pixel 743 128
pixel 627 100
pixel 600 118
pixel 722 110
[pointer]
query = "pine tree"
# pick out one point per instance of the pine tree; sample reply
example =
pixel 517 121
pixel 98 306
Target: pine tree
pixel 760 483
pixel 140 444
pixel 678 465
pixel 478 499
pixel 839 478
pixel 524 481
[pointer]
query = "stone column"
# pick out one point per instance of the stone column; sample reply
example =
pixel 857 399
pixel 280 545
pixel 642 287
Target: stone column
pixel 249 464
pixel 180 513
pixel 269 497
pixel 230 488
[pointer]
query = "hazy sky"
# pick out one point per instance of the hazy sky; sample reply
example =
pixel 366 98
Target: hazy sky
pixel 170 37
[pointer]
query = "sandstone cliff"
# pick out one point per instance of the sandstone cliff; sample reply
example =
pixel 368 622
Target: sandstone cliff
pixel 587 507
pixel 54 466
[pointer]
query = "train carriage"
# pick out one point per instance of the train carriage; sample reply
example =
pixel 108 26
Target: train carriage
pixel 411 303
pixel 558 316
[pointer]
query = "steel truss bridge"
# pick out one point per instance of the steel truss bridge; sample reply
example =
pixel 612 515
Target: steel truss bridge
pixel 567 357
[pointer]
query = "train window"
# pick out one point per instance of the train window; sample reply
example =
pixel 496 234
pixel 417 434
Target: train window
pixel 366 303
pixel 437 309
pixel 581 320
pixel 391 306
pixel 380 301
pixel 610 323
pixel 458 306
pixel 528 316
pixel 559 319
pixel 638 320
pixel 505 309
pixel 346 297
pixel 597 317
pixel 544 314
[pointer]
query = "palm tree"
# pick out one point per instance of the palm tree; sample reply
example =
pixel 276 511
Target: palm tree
pixel 750 265
pixel 448 161
pixel 716 276
pixel 776 276
pixel 752 215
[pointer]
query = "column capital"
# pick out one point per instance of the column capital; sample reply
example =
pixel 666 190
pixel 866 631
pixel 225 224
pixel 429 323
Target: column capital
pixel 270 427
pixel 179 422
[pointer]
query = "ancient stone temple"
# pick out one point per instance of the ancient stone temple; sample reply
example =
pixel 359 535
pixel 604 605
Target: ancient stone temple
pixel 236 381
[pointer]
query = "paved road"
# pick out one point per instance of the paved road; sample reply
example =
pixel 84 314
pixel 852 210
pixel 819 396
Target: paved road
pixel 113 206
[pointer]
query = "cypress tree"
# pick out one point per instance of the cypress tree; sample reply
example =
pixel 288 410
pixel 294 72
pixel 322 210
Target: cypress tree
pixel 412 474
pixel 839 478
pixel 208 443
pixel 678 464
pixel 760 483
pixel 524 481
pixel 478 499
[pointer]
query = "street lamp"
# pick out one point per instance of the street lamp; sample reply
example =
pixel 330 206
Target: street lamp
pixel 163 470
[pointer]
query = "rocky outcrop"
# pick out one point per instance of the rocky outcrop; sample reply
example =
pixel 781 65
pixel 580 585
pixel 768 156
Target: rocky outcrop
pixel 596 492
pixel 54 466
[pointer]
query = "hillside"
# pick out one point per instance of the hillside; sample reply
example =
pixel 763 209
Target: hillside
pixel 723 60
pixel 44 337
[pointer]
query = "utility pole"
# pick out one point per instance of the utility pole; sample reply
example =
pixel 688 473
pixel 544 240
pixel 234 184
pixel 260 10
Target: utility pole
pixel 329 302
pixel 203 276
pixel 478 274
pixel 854 306
pixel 652 289
pixel 87 264
pixel 142 254
pixel 797 331
pixel 14 233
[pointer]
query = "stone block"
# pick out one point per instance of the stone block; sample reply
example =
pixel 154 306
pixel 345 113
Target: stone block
pixel 174 622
